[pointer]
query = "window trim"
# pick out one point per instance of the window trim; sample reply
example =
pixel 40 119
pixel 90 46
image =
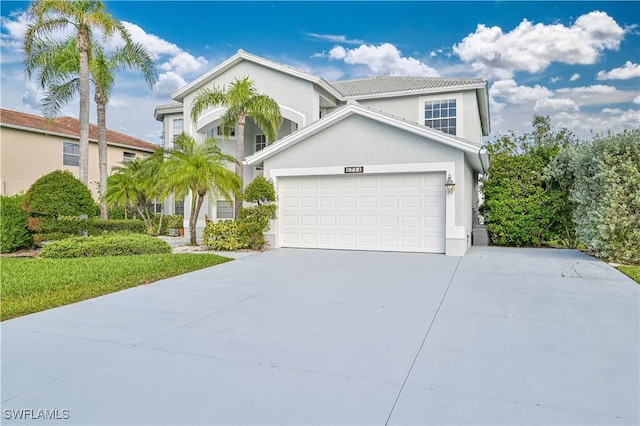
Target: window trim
pixel 173 127
pixel 263 142
pixel 125 159
pixel 458 97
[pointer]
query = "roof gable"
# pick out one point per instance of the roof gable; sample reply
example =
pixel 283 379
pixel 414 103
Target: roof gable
pixel 70 127
pixel 244 56
pixel 478 156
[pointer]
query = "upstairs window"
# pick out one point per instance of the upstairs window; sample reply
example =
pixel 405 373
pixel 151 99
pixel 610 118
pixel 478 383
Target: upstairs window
pixel 178 127
pixel 70 154
pixel 261 142
pixel 231 131
pixel 441 115
pixel 128 156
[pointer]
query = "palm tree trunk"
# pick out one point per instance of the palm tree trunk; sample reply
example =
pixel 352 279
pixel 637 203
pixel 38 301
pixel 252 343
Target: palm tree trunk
pixel 239 165
pixel 83 52
pixel 194 217
pixel 102 153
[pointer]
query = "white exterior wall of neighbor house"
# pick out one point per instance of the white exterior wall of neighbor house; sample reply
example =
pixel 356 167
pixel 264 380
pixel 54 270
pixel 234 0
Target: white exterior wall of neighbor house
pixel 411 108
pixel 358 141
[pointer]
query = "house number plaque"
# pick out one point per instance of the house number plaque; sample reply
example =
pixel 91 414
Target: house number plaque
pixel 355 169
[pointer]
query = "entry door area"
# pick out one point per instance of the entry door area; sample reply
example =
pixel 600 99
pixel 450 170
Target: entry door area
pixel 386 212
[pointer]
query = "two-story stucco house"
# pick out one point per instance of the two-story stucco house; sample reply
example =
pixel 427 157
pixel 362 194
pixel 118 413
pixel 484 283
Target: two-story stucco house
pixel 32 146
pixel 359 164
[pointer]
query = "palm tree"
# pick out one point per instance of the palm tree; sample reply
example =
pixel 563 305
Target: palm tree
pixel 59 67
pixel 122 189
pixel 241 100
pixel 198 169
pixel 84 16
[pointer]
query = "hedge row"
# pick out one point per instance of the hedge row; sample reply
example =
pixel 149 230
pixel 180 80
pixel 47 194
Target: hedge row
pixel 105 245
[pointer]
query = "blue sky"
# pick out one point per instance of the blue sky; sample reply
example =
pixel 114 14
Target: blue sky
pixel 578 62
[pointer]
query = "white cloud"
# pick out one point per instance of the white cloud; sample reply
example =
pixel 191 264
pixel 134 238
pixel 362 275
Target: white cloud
pixel 625 72
pixel 155 45
pixel 596 88
pixel 515 94
pixel 574 77
pixel 555 104
pixel 184 63
pixel 384 59
pixel 168 83
pixel 555 79
pixel 14 29
pixel 533 47
pixel 636 100
pixel 615 120
pixel 333 38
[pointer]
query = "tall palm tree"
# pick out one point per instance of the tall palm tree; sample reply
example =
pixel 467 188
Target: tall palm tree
pixel 242 100
pixel 59 68
pixel 83 16
pixel 198 169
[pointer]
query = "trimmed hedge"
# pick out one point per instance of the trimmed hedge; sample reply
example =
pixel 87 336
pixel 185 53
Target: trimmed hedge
pixel 59 193
pixel 105 245
pixel 101 226
pixel 245 233
pixel 14 234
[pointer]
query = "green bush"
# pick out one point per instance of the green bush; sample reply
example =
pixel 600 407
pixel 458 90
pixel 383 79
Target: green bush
pixel 260 191
pixel 174 221
pixel 105 245
pixel 14 234
pixel 101 226
pixel 119 213
pixel 223 235
pixel 522 206
pixel 245 233
pixel 604 180
pixel 57 194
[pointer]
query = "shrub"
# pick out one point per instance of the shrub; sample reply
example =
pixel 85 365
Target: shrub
pixel 59 193
pixel 118 212
pixel 105 245
pixel 174 221
pixel 101 226
pixel 260 191
pixel 223 235
pixel 14 234
pixel 604 180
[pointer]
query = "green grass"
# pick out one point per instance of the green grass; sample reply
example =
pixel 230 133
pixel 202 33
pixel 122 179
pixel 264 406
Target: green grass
pixel 631 271
pixel 34 284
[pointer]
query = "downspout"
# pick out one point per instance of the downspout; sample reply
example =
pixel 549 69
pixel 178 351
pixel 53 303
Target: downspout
pixel 480 157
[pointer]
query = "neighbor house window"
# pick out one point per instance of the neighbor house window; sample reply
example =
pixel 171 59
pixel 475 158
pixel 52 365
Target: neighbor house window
pixel 70 154
pixel 178 127
pixel 230 131
pixel 128 156
pixel 441 115
pixel 224 210
pixel 261 142
pixel 178 208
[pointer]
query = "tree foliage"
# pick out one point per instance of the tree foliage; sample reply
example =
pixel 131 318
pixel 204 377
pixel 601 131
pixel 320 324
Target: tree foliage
pixel 522 207
pixel 260 191
pixel 603 176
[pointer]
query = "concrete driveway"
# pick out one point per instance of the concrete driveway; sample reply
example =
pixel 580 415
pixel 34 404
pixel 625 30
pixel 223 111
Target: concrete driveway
pixel 500 336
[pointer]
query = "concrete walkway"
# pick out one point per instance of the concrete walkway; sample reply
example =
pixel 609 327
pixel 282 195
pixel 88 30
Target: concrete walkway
pixel 500 336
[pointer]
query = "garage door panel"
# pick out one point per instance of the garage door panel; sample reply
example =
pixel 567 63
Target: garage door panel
pixel 403 212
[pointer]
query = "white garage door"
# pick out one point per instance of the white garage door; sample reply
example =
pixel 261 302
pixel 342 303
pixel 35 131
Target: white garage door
pixel 390 212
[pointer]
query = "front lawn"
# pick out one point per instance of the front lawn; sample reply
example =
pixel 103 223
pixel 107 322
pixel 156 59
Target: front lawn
pixel 34 284
pixel 631 271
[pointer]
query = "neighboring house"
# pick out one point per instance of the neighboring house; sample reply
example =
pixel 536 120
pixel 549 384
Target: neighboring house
pixel 359 164
pixel 31 146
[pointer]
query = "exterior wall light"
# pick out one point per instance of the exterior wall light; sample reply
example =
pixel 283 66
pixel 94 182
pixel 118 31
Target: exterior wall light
pixel 450 185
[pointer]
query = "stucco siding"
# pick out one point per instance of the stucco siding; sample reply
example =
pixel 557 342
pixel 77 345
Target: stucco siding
pixel 404 107
pixel 27 156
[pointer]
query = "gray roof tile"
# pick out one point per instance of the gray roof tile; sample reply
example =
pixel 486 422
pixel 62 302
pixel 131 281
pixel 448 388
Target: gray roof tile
pixel 386 85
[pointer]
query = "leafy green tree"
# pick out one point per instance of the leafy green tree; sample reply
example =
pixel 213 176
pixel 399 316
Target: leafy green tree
pixel 260 191
pixel 83 17
pixel 603 176
pixel 59 65
pixel 198 169
pixel 58 194
pixel 242 100
pixel 522 207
